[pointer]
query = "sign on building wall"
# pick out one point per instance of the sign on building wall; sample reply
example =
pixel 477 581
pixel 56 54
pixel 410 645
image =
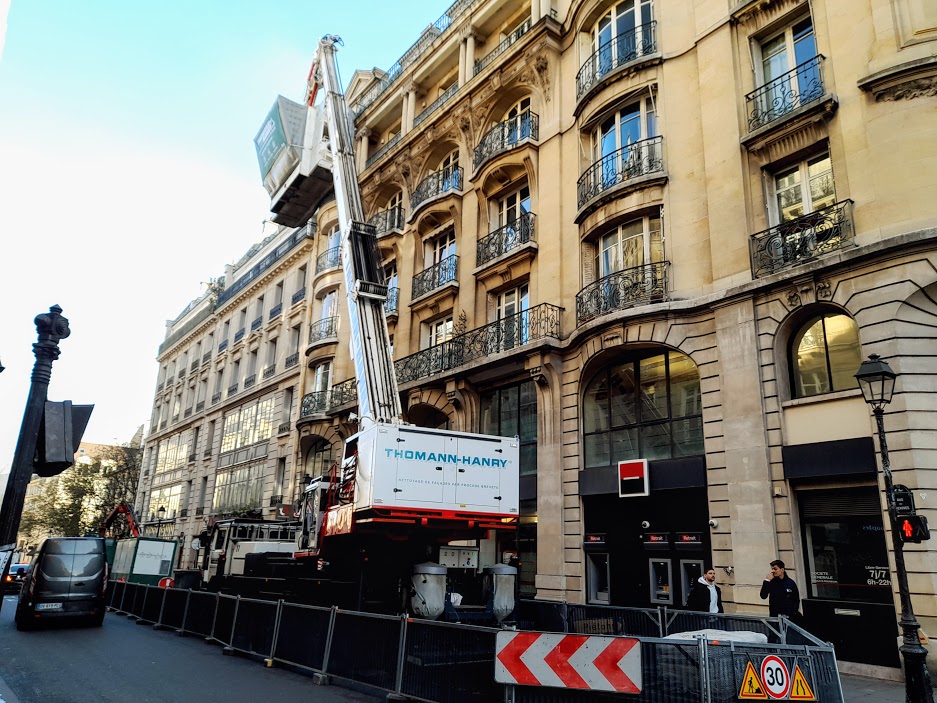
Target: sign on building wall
pixel 633 479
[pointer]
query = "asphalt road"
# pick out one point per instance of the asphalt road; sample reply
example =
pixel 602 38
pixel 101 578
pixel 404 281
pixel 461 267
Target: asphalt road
pixel 123 661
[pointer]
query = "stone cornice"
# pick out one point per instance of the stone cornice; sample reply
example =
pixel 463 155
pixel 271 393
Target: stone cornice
pixel 905 81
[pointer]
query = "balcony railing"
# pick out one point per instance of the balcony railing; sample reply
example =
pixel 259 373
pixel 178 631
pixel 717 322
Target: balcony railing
pixel 169 381
pixel 181 377
pixel 502 47
pixel 329 259
pixel 435 276
pixel 215 398
pixel 200 511
pixel 188 412
pixel 436 104
pixel 390 305
pixel 504 239
pixel 298 296
pixel 193 366
pixel 200 406
pixel 222 345
pixel 326 328
pixel 192 457
pixel 436 183
pixel 275 311
pixel 794 242
pixel 800 86
pixel 250 381
pixel 255 325
pixel 292 360
pixel 283 428
pixel 206 453
pixel 376 156
pixel 232 389
pixel 269 371
pixel 641 158
pixel 622 290
pixel 206 357
pixel 184 512
pixel 175 418
pixel 506 135
pixel 623 49
pixel 344 392
pixel 388 220
pixel 239 335
pixel 315 403
pixel 269 260
pixel 511 332
pixel 159 386
pixel 275 500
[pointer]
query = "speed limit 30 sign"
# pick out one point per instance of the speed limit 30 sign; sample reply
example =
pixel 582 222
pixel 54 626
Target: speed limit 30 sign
pixel 775 677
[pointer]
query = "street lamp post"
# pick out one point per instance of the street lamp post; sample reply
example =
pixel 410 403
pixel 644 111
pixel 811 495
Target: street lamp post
pixel 877 381
pixel 161 511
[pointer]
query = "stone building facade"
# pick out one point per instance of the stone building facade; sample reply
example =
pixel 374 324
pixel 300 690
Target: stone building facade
pixel 635 230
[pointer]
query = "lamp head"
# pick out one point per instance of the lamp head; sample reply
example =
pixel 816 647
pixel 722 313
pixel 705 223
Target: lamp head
pixel 877 381
pixel 161 511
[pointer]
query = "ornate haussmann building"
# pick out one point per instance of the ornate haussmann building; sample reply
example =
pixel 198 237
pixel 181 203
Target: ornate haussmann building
pixel 644 229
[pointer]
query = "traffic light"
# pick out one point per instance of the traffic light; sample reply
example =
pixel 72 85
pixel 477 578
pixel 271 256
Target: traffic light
pixel 913 528
pixel 60 433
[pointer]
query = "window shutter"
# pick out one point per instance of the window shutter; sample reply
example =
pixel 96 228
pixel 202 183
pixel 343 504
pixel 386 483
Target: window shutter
pixel 587 255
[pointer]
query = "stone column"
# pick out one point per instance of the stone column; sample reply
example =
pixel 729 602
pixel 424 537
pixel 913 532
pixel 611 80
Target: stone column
pixel 462 62
pixel 470 54
pixel 535 12
pixel 362 156
pixel 545 7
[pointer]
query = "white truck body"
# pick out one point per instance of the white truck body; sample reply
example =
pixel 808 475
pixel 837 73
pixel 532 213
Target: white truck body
pixel 402 466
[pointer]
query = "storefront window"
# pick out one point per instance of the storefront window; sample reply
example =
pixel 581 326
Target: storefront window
pixel 511 411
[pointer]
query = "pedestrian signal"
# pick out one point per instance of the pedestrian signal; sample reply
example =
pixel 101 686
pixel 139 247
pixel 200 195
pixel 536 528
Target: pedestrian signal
pixel 913 528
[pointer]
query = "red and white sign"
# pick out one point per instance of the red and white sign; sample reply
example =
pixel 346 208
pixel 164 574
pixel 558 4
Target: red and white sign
pixel 568 661
pixel 166 582
pixel 633 479
pixel 775 677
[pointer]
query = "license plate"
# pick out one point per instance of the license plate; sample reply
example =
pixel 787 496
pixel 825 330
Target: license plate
pixel 48 606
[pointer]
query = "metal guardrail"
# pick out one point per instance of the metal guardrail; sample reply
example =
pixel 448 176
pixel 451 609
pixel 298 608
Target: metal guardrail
pixel 800 86
pixel 435 105
pixel 506 135
pixel 326 328
pixel 376 156
pixel 436 276
pixel 623 49
pixel 305 232
pixel 504 239
pixel 329 259
pixel 390 304
pixel 641 158
pixel 448 663
pixel 622 290
pixel 502 47
pixel 387 220
pixel 439 182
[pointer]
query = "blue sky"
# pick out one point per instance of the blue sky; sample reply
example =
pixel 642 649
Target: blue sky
pixel 128 175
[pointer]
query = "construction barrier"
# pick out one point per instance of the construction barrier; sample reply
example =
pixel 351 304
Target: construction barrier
pixel 451 663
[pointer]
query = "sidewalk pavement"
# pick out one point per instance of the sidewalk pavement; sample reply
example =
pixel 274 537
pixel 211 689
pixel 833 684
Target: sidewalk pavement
pixel 858 689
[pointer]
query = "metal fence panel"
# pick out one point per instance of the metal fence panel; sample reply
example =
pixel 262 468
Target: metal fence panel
pixel 606 620
pixel 687 621
pixel 152 604
pixel 116 595
pixel 449 663
pixel 136 594
pixel 200 615
pixel 364 648
pixel 253 627
pixel 174 601
pixel 543 616
pixel 224 619
pixel 302 636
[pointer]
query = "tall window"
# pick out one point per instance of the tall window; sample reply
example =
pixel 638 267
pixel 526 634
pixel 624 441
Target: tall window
pixel 647 407
pixel 240 488
pixel 395 201
pixel 247 425
pixel 440 251
pixel 321 377
pixel 512 211
pixel 782 53
pixel 448 167
pixel 825 355
pixel 440 331
pixel 632 244
pixel 619 35
pixel 512 411
pixel 804 188
pixel 443 246
pixel 328 305
pixel 318 459
pixel 512 307
pixel 390 274
pixel 518 119
pixel 614 142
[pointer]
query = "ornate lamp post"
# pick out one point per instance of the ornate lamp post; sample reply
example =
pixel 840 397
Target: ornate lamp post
pixel 161 511
pixel 877 381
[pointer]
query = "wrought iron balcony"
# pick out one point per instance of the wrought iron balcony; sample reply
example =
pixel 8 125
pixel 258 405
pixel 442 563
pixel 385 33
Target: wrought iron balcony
pixel 435 276
pixel 623 49
pixel 344 392
pixel 269 371
pixel 200 406
pixel 181 377
pixel 255 325
pixel 192 457
pixel 275 500
pixel 275 311
pixel 622 290
pixel 502 47
pixel 222 345
pixel 283 428
pixel 435 105
pixel 389 220
pixel 437 183
pixel 329 259
pixel 159 386
pixel 504 239
pixel 239 335
pixel 206 453
pixel 215 398
pixel 269 260
pixel 206 357
pixel 184 512
pixel 232 389
pixel 292 360
pixel 169 381
pixel 791 243
pixel 511 332
pixel 250 381
pixel 188 412
pixel 390 305
pixel 800 86
pixel 326 328
pixel 193 366
pixel 298 296
pixel 200 511
pixel 642 158
pixel 376 156
pixel 506 135
pixel 175 418
pixel 162 424
pixel 314 404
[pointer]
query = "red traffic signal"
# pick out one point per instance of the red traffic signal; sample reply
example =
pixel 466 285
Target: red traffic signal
pixel 913 528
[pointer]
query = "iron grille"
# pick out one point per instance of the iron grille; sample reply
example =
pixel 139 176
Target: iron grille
pixel 390 305
pixel 504 239
pixel 388 220
pixel 641 158
pixel 621 290
pixel 506 135
pixel 625 48
pixel 326 328
pixel 329 259
pixel 437 183
pixel 800 86
pixel 435 276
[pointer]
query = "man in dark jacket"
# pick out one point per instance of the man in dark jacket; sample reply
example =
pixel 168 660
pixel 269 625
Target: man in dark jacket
pixel 781 592
pixel 705 596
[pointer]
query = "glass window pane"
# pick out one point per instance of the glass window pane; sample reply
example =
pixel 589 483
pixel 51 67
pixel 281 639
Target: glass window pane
pixel 528 458
pixel 688 437
pixel 622 398
pixel 655 441
pixel 509 412
pixel 625 445
pixel 653 374
pixel 595 405
pixel 685 397
pixel 528 412
pixel 810 373
pixel 842 344
pixel 489 413
pixel 596 450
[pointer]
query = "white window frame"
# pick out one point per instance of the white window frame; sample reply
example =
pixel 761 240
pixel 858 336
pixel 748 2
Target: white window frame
pixel 613 17
pixel 788 33
pixel 803 166
pixel 649 254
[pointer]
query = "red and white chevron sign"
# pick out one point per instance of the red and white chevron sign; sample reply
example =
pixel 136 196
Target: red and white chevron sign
pixel 568 661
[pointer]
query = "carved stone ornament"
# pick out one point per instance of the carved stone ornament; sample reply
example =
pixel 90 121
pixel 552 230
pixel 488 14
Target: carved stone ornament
pixel 538 376
pixel 793 298
pixel 824 290
pixel 454 399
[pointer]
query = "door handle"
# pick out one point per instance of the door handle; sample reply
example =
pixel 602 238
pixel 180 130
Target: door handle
pixel 398 490
pixel 461 471
pixel 439 468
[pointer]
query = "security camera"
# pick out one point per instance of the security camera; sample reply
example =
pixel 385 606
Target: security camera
pixel 714 523
pixel 645 524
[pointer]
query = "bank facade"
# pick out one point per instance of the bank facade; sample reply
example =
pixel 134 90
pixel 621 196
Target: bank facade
pixel 626 231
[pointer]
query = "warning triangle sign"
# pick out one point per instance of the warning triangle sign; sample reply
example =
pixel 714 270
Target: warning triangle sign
pixel 800 689
pixel 751 689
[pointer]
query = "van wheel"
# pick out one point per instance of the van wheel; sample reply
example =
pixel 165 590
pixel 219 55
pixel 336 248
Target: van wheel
pixel 22 624
pixel 97 620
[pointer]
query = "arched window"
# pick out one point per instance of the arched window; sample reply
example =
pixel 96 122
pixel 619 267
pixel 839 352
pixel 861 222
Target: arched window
pixel 623 33
pixel 648 407
pixel 318 459
pixel 825 355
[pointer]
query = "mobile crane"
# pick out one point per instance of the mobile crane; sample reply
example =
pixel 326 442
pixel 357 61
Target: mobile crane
pixel 410 516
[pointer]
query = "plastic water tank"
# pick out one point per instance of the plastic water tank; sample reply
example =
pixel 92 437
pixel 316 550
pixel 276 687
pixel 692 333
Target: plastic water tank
pixel 429 590
pixel 500 580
